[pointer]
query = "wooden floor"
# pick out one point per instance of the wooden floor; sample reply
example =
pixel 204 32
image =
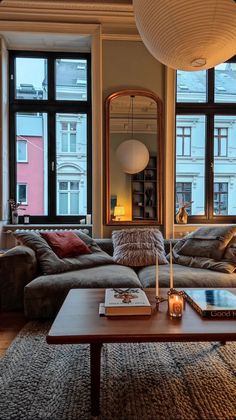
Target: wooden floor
pixel 10 324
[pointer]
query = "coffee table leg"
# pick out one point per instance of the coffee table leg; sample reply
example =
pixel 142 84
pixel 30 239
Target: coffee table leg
pixel 95 371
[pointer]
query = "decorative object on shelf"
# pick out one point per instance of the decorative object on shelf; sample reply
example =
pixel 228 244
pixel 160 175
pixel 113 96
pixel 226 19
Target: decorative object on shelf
pixel 188 34
pixel 132 154
pixel 175 303
pixel 14 210
pixel 26 219
pixel 182 214
pixel 118 212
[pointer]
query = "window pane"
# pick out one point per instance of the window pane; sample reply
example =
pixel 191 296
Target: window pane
pixel 225 82
pixel 71 79
pixel 72 169
pixel 73 143
pixel 31 78
pixel 225 165
pixel 21 151
pixel 191 86
pixel 190 170
pixel 22 194
pixel 63 203
pixel 33 128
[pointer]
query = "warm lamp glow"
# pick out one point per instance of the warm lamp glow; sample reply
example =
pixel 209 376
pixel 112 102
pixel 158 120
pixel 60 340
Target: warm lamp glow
pixel 133 156
pixel 188 34
pixel 119 211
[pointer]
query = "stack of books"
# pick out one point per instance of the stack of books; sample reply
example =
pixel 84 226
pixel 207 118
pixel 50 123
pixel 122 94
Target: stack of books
pixel 132 301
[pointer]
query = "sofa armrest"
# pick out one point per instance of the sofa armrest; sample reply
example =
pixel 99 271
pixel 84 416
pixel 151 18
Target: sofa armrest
pixel 18 266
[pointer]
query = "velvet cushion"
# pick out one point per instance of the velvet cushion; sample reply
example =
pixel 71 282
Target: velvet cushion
pixel 138 247
pixel 50 263
pixel 206 248
pixel 208 242
pixel 66 244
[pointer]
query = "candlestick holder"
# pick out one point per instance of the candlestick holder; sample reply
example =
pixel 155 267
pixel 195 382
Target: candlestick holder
pixel 176 303
pixel 159 300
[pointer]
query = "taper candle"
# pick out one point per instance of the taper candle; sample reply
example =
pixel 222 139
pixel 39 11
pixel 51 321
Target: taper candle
pixel 171 268
pixel 157 277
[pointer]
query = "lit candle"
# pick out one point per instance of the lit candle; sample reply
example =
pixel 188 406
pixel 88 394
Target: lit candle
pixel 176 304
pixel 171 268
pixel 157 277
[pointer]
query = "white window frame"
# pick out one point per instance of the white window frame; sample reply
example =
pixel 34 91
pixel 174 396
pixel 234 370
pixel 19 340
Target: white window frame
pixel 26 193
pixel 26 151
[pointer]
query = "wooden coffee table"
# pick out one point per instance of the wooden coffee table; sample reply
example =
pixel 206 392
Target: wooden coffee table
pixel 78 322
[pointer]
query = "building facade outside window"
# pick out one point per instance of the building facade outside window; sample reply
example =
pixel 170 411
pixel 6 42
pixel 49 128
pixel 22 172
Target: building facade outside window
pixel 50 135
pixel 206 102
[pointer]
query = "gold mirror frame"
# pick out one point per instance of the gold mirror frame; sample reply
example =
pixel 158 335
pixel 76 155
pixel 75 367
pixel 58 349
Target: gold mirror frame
pixel 109 220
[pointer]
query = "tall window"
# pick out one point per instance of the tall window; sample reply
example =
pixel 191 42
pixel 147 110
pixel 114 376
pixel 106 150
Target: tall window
pixel 205 101
pixel 50 135
pixel 183 141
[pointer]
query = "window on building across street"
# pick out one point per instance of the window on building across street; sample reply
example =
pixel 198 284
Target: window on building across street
pixel 183 141
pixel 183 195
pixel 50 135
pixel 221 141
pixel 205 104
pixel 22 193
pixel 220 198
pixel 21 151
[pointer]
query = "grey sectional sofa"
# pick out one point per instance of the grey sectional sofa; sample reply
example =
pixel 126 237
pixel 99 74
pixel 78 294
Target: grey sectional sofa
pixel 22 285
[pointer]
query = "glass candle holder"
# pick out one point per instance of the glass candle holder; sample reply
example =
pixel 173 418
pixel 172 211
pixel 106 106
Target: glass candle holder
pixel 175 303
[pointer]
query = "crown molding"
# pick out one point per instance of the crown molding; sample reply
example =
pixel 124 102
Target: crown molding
pixel 116 18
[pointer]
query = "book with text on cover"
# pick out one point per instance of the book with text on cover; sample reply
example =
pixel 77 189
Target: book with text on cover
pixel 131 301
pixel 212 303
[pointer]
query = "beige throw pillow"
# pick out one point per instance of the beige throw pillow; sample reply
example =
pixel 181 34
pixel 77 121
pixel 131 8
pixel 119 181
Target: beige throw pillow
pixel 138 247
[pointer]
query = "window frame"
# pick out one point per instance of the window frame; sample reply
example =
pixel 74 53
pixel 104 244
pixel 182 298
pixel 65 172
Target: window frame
pixel 51 106
pixel 25 203
pixel 209 109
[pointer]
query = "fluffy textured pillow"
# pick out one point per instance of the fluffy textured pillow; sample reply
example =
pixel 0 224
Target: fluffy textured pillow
pixel 50 263
pixel 206 248
pixel 138 247
pixel 66 244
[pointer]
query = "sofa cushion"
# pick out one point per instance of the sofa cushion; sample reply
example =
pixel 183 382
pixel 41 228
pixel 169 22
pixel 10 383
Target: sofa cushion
pixel 138 247
pixel 185 277
pixel 50 263
pixel 44 296
pixel 66 244
pixel 208 242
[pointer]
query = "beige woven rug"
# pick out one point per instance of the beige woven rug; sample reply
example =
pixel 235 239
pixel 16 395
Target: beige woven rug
pixel 139 381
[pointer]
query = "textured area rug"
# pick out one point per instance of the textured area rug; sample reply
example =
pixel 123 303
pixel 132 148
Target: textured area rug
pixel 139 381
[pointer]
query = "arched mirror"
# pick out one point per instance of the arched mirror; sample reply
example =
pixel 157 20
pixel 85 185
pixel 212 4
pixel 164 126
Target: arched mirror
pixel 133 158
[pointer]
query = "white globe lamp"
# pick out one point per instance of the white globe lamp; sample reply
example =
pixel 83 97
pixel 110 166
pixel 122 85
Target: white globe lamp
pixel 188 34
pixel 133 156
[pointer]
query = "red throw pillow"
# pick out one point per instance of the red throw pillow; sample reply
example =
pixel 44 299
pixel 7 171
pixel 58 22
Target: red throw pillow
pixel 66 244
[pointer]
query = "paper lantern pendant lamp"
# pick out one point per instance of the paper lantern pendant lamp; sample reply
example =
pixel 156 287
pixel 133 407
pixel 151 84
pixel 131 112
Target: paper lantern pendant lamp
pixel 188 34
pixel 133 156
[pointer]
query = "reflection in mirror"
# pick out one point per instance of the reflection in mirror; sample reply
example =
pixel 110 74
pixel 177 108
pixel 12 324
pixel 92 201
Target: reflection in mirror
pixel 133 167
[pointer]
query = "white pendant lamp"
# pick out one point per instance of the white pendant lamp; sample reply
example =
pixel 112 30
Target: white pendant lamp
pixel 132 154
pixel 188 34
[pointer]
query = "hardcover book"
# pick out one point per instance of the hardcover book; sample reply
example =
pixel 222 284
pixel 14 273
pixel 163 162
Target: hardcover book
pixel 126 302
pixel 212 303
